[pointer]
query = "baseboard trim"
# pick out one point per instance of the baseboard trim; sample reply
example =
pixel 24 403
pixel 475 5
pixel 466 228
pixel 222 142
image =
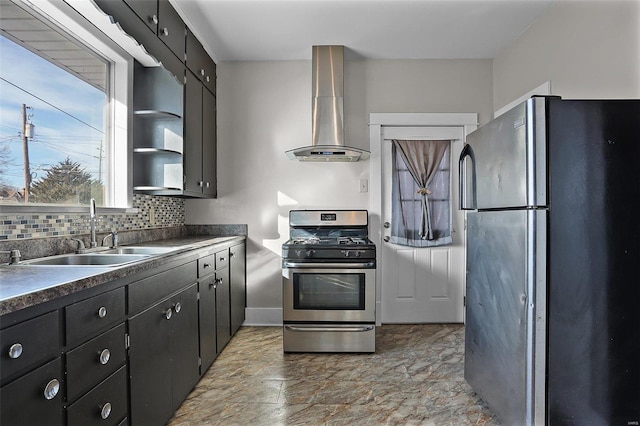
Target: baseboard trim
pixel 263 317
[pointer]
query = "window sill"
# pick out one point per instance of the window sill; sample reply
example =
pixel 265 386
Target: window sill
pixel 36 209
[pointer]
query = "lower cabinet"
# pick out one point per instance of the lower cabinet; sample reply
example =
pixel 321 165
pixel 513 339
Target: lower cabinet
pixel 223 309
pixel 163 357
pixel 106 404
pixel 35 398
pixel 238 285
pixel 129 355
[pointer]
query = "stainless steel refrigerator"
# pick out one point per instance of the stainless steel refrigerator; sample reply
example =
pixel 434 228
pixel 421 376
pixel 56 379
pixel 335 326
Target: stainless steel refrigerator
pixel 553 262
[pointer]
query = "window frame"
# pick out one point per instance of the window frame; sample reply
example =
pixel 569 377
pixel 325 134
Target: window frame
pixel 84 21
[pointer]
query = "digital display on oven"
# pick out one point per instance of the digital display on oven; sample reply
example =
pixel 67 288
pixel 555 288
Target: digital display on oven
pixel 328 216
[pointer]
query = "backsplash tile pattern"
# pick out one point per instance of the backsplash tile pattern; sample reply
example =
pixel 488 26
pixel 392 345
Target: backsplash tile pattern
pixel 153 212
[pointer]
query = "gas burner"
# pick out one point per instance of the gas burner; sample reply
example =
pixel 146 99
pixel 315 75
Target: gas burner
pixel 351 240
pixel 306 240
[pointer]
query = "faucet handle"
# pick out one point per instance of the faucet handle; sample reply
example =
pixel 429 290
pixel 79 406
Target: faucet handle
pixel 81 248
pixel 15 256
pixel 114 239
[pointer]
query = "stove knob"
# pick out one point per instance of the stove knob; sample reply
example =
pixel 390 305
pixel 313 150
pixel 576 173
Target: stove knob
pixel 358 253
pixel 347 253
pixel 310 253
pixel 299 253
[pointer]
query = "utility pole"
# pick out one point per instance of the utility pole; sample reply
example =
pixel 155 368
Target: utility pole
pixel 25 151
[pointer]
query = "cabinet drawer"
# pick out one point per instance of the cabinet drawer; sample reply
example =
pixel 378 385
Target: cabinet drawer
pixel 106 404
pixel 222 259
pixel 206 265
pixel 150 290
pixel 28 344
pixel 93 315
pixel 24 402
pixel 94 361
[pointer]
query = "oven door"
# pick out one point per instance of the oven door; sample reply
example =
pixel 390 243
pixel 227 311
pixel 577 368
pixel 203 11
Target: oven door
pixel 334 293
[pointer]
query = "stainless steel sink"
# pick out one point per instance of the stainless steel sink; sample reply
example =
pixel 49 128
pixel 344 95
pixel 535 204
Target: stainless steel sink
pixel 90 259
pixel 141 250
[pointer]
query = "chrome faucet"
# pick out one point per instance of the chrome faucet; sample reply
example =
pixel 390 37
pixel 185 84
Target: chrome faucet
pixel 92 222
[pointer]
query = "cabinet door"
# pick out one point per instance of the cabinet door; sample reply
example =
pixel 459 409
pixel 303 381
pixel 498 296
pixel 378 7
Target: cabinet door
pixel 147 10
pixel 193 135
pixel 150 363
pixel 207 322
pixel 163 357
pixel 209 160
pixel 35 398
pixel 171 28
pixel 29 344
pixel 223 314
pixel 237 273
pixel 184 344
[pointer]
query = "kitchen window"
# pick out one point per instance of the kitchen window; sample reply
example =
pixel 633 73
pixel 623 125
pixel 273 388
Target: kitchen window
pixel 63 127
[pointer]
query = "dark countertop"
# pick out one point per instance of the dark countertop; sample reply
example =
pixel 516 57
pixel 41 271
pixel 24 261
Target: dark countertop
pixel 22 286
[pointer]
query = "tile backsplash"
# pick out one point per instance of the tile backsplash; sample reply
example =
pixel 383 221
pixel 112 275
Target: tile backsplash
pixel 153 212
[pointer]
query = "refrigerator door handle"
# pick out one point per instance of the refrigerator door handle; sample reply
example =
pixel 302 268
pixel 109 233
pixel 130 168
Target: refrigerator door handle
pixel 463 195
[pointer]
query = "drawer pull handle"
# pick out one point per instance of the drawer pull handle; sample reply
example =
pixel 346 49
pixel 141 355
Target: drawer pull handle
pixel 102 312
pixel 52 389
pixel 106 411
pixel 15 351
pixel 168 313
pixel 177 307
pixel 105 355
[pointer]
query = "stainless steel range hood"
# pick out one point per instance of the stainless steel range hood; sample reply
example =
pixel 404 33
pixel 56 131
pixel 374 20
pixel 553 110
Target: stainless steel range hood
pixel 327 114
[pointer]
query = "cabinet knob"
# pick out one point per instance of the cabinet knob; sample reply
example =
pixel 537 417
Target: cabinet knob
pixel 168 313
pixel 202 72
pixel 15 351
pixel 207 265
pixel 207 184
pixel 102 312
pixel 105 355
pixel 154 19
pixel 222 259
pixel 165 31
pixel 387 239
pixel 52 389
pixel 177 307
pixel 105 411
pixel 218 280
pixel 208 79
pixel 387 225
pixel 200 183
pixel 232 254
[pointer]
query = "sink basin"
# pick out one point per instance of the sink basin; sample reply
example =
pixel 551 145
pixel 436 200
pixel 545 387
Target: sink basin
pixel 91 259
pixel 141 250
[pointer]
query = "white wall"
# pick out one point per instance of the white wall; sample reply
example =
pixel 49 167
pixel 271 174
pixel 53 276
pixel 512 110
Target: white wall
pixel 264 109
pixel 587 49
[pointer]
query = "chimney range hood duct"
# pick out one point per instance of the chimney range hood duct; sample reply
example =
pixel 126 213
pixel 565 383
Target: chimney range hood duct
pixel 327 143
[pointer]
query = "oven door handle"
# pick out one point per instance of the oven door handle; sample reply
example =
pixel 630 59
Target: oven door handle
pixel 325 329
pixel 303 265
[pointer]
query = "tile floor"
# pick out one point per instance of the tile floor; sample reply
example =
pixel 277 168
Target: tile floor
pixel 414 378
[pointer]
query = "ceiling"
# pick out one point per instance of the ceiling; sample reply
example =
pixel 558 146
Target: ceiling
pixel 265 30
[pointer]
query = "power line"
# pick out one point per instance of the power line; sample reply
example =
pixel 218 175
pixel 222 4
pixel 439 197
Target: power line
pixel 51 105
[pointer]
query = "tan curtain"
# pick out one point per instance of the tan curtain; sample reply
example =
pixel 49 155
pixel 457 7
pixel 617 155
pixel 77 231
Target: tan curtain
pixel 422 158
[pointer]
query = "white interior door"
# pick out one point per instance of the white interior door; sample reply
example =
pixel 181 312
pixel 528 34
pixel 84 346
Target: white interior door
pixel 422 285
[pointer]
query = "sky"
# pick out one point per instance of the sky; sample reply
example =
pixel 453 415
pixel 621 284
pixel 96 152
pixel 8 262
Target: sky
pixel 64 124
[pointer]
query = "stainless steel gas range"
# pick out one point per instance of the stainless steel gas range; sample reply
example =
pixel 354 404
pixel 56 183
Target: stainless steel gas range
pixel 328 277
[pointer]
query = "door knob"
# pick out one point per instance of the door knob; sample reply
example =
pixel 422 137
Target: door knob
pixel 387 225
